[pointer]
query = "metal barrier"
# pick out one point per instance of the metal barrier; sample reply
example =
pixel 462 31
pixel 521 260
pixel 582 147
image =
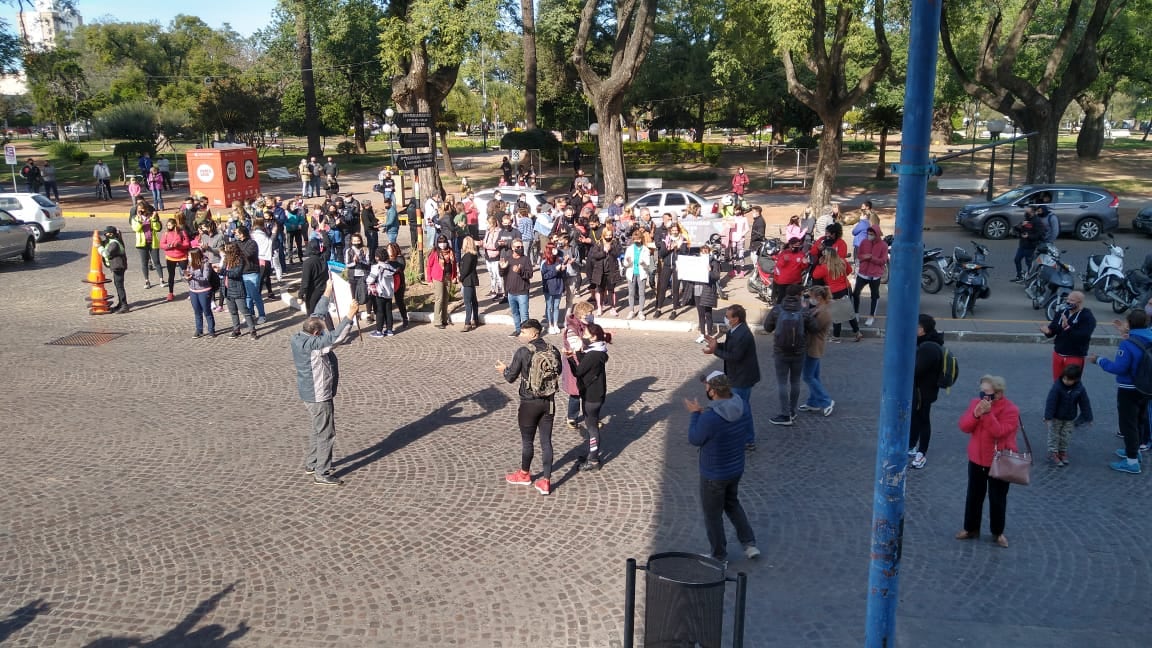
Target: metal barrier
pixel 683 602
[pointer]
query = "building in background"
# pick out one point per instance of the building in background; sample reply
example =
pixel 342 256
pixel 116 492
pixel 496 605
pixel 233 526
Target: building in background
pixel 47 22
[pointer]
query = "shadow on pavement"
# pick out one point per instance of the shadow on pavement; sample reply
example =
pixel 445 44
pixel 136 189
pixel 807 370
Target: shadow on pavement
pixel 17 619
pixel 209 636
pixel 488 400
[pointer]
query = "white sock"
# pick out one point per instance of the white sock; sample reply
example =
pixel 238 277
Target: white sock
pixel 1133 462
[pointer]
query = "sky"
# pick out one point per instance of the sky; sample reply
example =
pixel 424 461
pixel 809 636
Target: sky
pixel 245 16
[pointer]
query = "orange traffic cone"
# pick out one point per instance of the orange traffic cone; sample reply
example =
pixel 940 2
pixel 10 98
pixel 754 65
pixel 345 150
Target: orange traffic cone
pixel 98 297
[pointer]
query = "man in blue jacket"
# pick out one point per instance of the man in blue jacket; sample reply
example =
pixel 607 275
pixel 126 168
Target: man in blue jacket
pixel 720 430
pixel 741 364
pixel 317 377
pixel 1131 403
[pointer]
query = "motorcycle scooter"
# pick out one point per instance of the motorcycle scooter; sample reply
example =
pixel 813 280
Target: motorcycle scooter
pixel 760 282
pixel 1104 270
pixel 1051 287
pixel 971 280
pixel 1135 290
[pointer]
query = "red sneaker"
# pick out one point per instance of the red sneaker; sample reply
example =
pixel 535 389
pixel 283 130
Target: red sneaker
pixel 170 297
pixel 520 478
pixel 543 486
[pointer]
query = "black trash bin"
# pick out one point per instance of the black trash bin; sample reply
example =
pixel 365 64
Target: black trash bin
pixel 683 601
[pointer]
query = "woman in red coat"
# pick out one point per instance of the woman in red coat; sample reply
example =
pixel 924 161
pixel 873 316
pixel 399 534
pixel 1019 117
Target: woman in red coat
pixel 833 271
pixel 790 264
pixel 441 270
pixel 991 420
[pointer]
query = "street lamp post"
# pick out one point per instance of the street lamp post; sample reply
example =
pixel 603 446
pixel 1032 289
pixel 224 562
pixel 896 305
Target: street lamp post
pixel 1012 163
pixel 390 128
pixel 995 127
pixel 594 131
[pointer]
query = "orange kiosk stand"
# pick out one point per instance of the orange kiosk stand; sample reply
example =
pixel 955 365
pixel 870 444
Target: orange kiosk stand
pixel 224 174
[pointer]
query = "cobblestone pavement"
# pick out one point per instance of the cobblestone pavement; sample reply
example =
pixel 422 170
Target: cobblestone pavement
pixel 154 496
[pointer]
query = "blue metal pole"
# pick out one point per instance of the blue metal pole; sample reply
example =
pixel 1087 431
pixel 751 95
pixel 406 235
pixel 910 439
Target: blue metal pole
pixel 900 339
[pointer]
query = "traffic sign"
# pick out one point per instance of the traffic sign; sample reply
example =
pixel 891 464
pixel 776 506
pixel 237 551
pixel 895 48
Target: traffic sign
pixel 515 156
pixel 414 120
pixel 415 140
pixel 9 154
pixel 414 161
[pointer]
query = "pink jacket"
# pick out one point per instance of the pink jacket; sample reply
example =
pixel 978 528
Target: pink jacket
pixel 573 337
pixel 175 244
pixel 155 181
pixel 996 428
pixel 873 267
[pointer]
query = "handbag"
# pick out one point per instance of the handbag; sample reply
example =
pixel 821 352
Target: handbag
pixel 1010 466
pixel 841 309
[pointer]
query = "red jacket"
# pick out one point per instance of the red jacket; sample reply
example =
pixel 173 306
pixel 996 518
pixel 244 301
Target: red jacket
pixel 839 284
pixel 175 244
pixel 790 267
pixel 840 246
pixel 440 271
pixel 996 428
pixel 878 249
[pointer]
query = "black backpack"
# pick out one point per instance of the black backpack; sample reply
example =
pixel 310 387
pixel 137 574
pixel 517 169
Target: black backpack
pixel 1142 377
pixel 791 335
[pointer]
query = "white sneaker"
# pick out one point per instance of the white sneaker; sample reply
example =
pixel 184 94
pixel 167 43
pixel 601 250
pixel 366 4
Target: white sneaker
pixel 751 552
pixel 912 451
pixel 642 318
pixel 828 410
pixel 869 321
pixel 919 460
pixel 700 340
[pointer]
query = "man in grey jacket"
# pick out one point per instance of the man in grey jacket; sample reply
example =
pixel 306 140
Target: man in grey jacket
pixel 317 376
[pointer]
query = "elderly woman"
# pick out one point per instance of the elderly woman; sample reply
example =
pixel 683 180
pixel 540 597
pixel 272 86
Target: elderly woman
pixel 991 420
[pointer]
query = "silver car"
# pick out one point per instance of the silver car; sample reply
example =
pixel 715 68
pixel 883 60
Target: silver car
pixel 534 198
pixel 1083 210
pixel 16 238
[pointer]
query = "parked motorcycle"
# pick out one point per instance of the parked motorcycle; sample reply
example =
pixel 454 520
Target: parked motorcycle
pixel 1051 287
pixel 936 271
pixel 1135 290
pixel 1104 270
pixel 760 282
pixel 1047 256
pixel 971 280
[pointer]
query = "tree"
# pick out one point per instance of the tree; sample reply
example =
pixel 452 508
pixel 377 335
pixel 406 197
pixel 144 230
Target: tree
pixel 301 12
pixel 829 46
pixel 348 40
pixel 634 20
pixel 239 111
pixel 882 118
pixel 422 45
pixel 528 18
pixel 1031 61
pixel 58 85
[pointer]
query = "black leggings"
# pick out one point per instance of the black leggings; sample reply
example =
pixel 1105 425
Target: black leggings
pixel 533 415
pixel 920 428
pixel 592 420
pixel 873 293
pixel 266 277
pixel 704 314
pixel 172 265
pixel 383 307
pixel 836 326
pixel 399 299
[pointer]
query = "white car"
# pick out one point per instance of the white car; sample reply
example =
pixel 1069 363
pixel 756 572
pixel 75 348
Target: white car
pixel 510 195
pixel 674 201
pixel 42 215
pixel 16 238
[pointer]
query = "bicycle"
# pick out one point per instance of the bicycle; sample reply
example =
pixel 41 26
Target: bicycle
pixel 103 190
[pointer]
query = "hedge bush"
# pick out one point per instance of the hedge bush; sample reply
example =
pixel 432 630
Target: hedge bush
pixel 670 151
pixel 861 146
pixel 68 151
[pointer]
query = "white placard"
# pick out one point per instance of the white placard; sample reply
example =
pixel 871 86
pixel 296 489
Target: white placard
pixel 341 292
pixel 692 268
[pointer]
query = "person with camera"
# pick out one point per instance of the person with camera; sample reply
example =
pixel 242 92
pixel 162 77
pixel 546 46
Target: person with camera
pixel 991 421
pixel 1071 331
pixel 1031 232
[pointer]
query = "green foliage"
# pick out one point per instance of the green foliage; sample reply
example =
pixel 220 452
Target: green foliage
pixel 68 151
pixel 861 146
pixel 57 82
pixel 346 148
pixel 237 109
pixel 135 120
pixel 134 149
pixel 537 138
pixel 803 142
pixel 671 151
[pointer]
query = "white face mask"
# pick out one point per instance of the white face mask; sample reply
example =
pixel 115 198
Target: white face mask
pixel 443 246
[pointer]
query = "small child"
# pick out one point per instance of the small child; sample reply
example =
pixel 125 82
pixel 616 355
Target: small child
pixel 1067 406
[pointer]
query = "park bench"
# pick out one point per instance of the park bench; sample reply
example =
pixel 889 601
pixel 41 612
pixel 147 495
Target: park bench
pixel 279 174
pixel 646 184
pixel 971 185
pixel 795 182
pixel 1115 133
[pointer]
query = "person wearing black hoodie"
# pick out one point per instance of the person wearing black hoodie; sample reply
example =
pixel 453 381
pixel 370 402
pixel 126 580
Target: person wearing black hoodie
pixel 592 381
pixel 313 276
pixel 925 388
pixel 719 430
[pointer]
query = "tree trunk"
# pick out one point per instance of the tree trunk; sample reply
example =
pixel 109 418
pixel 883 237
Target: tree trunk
pixel 1042 147
pixel 881 166
pixel 1090 141
pixel 420 90
pixel 828 163
pixel 610 148
pixel 699 139
pixel 449 168
pixel 308 81
pixel 942 124
pixel 528 14
pixel 360 133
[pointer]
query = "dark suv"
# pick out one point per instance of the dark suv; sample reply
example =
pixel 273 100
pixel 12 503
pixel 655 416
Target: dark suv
pixel 1083 210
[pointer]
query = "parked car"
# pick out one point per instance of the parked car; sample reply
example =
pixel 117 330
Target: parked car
pixel 1083 210
pixel 42 215
pixel 509 195
pixel 16 238
pixel 1143 221
pixel 674 201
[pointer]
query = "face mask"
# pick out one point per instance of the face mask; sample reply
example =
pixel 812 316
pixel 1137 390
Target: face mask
pixel 442 246
pixel 589 318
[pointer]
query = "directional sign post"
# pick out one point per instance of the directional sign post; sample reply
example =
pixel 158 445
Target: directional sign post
pixel 415 161
pixel 413 120
pixel 415 140
pixel 10 160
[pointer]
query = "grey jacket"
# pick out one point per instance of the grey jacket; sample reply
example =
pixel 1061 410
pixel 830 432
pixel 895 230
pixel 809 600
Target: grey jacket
pixel 317 371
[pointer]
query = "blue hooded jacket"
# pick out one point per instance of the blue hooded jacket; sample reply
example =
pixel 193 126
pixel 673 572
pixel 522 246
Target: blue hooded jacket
pixel 1127 359
pixel 720 432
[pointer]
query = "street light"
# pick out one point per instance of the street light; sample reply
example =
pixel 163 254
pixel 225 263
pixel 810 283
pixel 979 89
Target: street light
pixel 995 127
pixel 594 131
pixel 390 128
pixel 1012 164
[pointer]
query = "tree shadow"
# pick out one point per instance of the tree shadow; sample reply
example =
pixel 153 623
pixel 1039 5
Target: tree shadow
pixel 183 635
pixel 487 400
pixel 21 617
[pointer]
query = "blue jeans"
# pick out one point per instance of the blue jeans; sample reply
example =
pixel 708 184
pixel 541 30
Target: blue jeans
pixel 745 394
pixel 252 293
pixel 519 306
pixel 157 199
pixel 817 395
pixel 552 310
pixel 202 309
